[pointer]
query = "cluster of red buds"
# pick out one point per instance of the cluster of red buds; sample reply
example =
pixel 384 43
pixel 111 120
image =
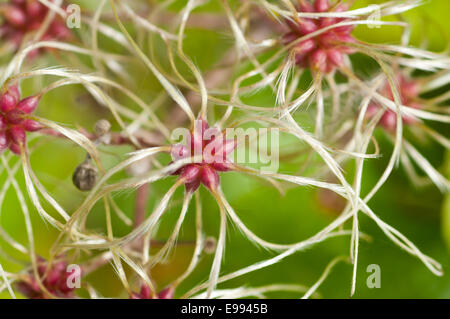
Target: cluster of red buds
pixel 13 121
pixel 214 149
pixel 145 293
pixel 323 52
pixel 22 17
pixel 54 278
pixel 408 92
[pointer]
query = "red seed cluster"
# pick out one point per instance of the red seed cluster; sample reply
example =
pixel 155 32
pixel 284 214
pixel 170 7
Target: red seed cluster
pixel 408 91
pixel 53 279
pixel 145 293
pixel 325 51
pixel 211 145
pixel 13 124
pixel 24 16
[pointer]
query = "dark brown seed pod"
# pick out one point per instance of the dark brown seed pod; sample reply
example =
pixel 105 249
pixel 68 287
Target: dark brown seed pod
pixel 85 176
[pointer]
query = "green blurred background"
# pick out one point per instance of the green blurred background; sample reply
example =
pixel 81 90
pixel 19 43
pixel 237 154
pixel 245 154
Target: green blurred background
pixel 420 214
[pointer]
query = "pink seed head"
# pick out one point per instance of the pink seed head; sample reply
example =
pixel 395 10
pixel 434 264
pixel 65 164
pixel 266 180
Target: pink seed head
pixel 13 121
pixel 323 52
pixel 213 149
pixel 145 293
pixel 409 92
pixel 166 293
pixel 22 17
pixel 54 278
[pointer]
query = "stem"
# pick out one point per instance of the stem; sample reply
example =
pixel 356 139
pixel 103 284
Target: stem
pixel 141 204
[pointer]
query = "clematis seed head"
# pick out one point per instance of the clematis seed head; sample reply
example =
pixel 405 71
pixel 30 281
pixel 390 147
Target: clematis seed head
pixel 214 149
pixel 409 96
pixel 323 52
pixel 13 121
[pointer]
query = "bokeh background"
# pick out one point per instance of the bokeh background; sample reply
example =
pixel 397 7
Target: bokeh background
pixel 423 215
